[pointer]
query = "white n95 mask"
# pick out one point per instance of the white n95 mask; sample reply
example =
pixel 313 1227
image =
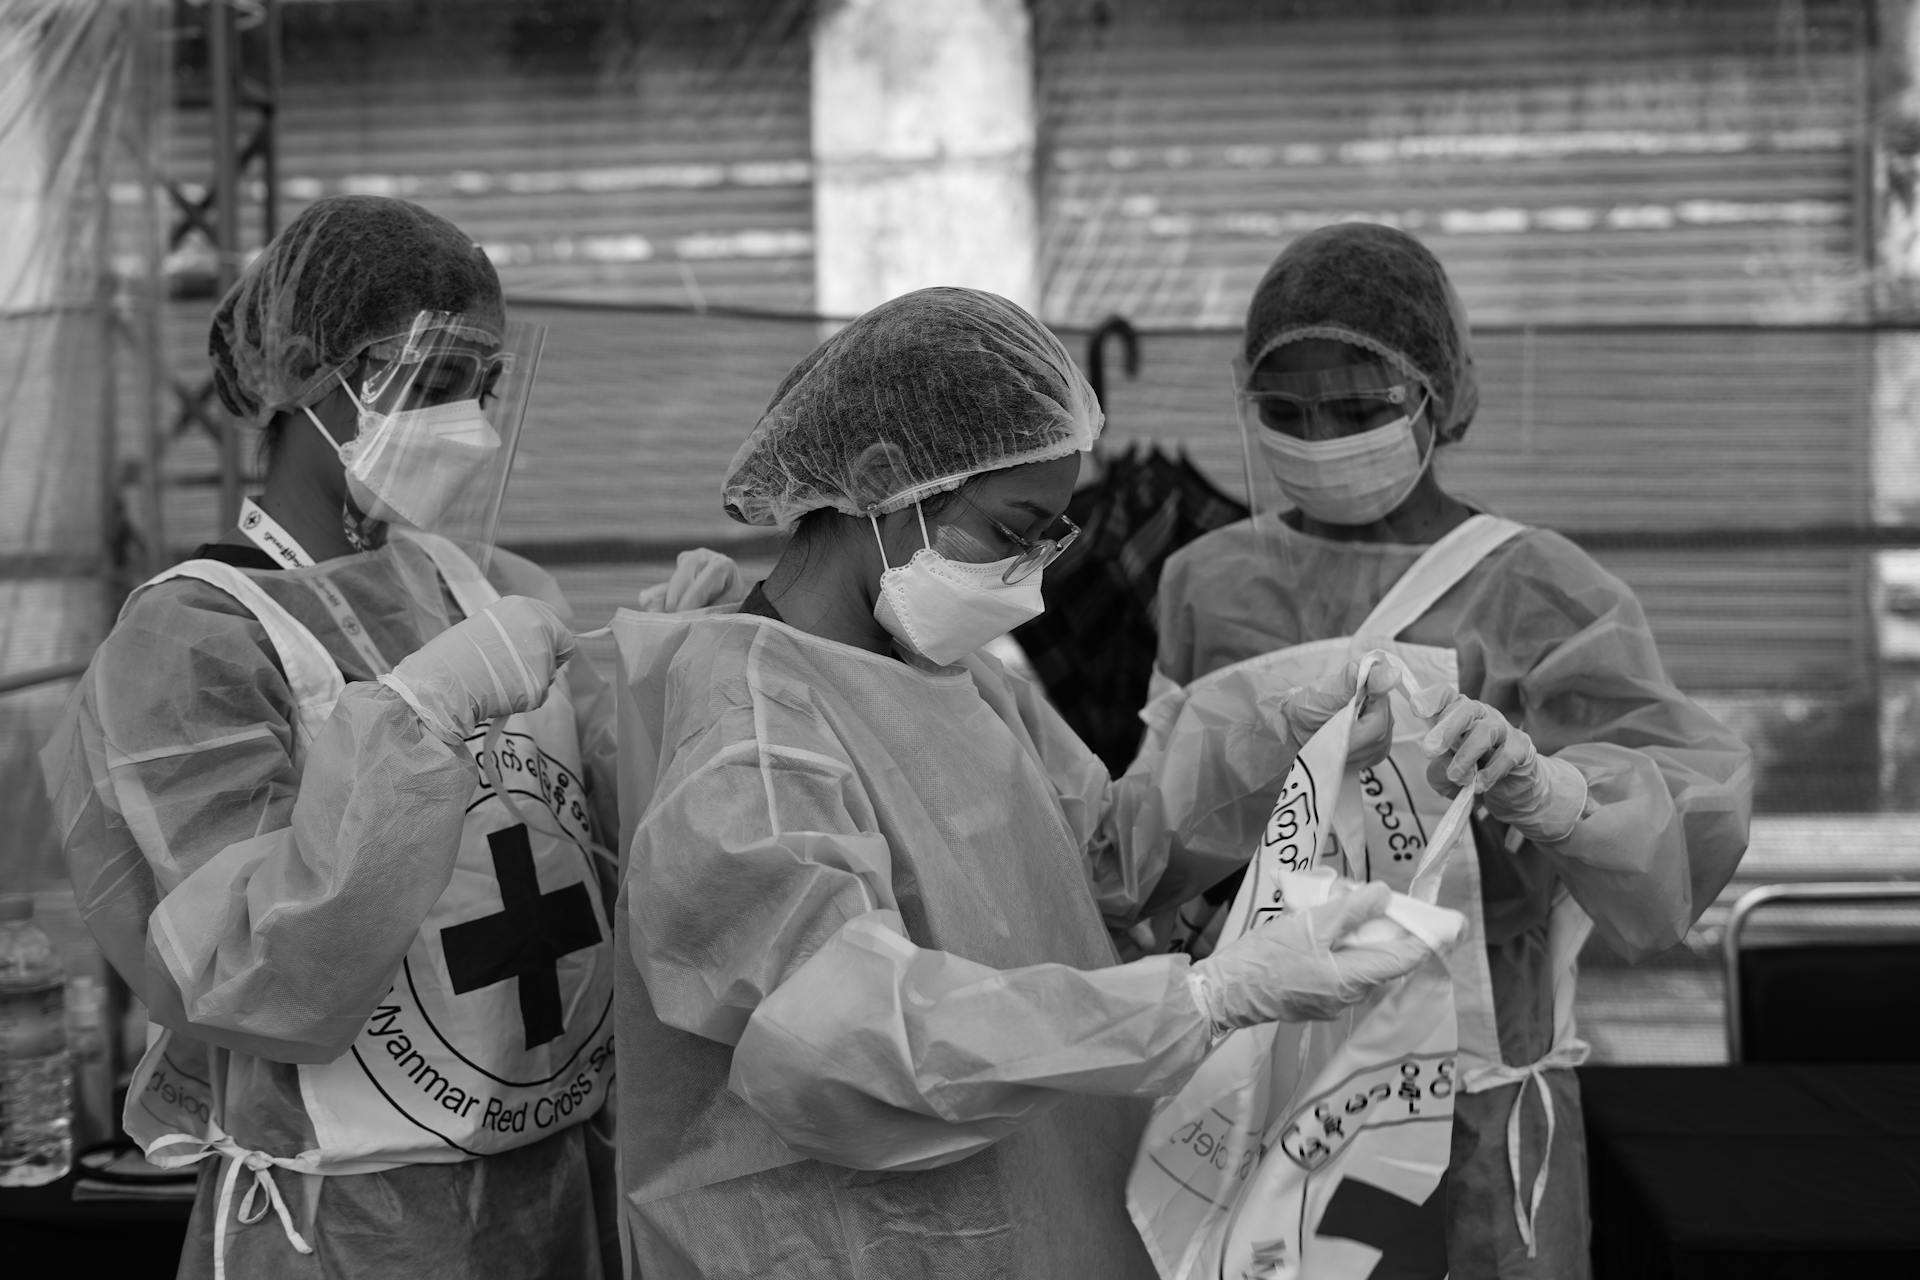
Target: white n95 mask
pixel 410 467
pixel 945 609
pixel 1354 479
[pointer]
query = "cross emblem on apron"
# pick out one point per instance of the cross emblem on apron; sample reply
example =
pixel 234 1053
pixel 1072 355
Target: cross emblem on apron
pixel 1411 1238
pixel 526 940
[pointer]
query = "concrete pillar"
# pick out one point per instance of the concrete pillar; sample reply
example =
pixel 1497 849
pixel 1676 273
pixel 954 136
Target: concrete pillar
pixel 1894 221
pixel 923 145
pixel 1895 285
pixel 25 280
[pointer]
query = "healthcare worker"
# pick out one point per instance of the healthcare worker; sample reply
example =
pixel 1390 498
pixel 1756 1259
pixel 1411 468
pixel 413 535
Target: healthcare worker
pixel 871 1023
pixel 1609 801
pixel 379 981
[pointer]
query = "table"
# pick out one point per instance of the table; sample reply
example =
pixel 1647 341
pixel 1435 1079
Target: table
pixel 43 1233
pixel 1704 1173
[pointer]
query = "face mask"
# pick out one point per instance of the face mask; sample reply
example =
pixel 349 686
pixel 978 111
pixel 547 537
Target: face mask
pixel 1354 479
pixel 945 609
pixel 411 466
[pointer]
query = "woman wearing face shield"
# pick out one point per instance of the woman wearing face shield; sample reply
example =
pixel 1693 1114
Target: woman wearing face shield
pixel 870 1019
pixel 1609 800
pixel 324 817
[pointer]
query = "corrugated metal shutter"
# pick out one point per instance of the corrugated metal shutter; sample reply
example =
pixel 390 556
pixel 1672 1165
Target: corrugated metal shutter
pixel 1572 160
pixel 634 419
pixel 661 156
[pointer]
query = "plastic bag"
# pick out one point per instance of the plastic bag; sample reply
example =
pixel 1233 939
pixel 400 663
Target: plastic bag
pixel 1317 1149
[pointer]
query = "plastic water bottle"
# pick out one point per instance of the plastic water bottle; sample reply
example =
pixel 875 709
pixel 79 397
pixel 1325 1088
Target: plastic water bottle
pixel 36 1140
pixel 93 1118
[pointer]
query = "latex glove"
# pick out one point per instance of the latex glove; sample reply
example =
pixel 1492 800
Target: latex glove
pixel 1303 710
pixel 701 577
pixel 499 661
pixel 1294 968
pixel 1472 743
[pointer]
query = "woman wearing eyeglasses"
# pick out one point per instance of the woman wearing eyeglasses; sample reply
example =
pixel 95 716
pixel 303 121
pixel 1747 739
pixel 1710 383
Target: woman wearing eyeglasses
pixel 870 1021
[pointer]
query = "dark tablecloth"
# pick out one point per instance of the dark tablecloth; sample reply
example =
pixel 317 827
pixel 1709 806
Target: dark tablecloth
pixel 45 1234
pixel 1700 1173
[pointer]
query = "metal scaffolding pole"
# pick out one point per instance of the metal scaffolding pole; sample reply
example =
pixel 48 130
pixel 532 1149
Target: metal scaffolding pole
pixel 221 74
pixel 225 67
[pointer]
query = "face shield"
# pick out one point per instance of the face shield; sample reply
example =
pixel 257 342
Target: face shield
pixel 441 409
pixel 1338 443
pixel 1344 445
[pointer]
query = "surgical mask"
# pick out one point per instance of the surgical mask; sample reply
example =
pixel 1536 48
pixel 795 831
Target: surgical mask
pixel 1351 480
pixel 411 466
pixel 945 609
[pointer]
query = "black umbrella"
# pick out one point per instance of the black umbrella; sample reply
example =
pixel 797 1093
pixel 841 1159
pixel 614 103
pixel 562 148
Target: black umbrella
pixel 1094 647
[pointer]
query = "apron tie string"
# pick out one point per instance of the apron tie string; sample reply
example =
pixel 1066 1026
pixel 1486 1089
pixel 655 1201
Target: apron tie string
pixel 262 1166
pixel 238 1157
pixel 1564 1056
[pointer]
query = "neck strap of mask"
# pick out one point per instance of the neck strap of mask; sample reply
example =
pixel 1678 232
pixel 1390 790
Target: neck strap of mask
pixel 358 529
pixel 924 538
pixel 360 409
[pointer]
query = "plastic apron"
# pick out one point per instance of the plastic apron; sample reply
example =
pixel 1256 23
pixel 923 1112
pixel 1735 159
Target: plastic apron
pixel 1317 1149
pixel 1399 809
pixel 497 1031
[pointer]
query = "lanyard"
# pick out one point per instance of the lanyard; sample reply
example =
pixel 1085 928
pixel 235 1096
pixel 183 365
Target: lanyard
pixel 271 537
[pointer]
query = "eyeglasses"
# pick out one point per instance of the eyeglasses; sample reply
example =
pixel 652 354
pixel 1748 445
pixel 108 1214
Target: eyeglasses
pixel 1036 553
pixel 1326 404
pixel 1330 416
pixel 433 366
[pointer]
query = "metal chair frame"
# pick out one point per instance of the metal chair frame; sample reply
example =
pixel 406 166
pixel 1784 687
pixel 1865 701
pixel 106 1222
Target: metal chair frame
pixel 1833 893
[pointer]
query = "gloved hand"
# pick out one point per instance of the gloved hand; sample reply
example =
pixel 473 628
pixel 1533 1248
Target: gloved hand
pixel 701 577
pixel 1540 797
pixel 1295 969
pixel 499 661
pixel 1305 709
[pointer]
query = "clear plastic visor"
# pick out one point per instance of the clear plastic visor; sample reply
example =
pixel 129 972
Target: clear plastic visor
pixel 443 359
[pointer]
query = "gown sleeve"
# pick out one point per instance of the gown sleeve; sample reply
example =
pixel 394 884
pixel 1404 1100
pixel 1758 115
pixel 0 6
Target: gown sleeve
pixel 257 902
pixel 763 915
pixel 1564 650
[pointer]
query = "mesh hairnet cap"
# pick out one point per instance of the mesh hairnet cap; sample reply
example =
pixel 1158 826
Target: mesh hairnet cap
pixel 348 272
pixel 1378 288
pixel 911 399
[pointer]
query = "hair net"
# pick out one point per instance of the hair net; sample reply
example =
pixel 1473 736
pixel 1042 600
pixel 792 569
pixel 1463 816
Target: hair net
pixel 1378 288
pixel 909 400
pixel 350 271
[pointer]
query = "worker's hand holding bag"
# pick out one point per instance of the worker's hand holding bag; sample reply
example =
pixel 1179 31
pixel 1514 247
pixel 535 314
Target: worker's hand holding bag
pixel 1315 1148
pixel 1362 686
pixel 1472 745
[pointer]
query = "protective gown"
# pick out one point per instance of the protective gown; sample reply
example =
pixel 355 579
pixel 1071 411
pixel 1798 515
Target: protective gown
pixel 177 749
pixel 870 1019
pixel 1560 647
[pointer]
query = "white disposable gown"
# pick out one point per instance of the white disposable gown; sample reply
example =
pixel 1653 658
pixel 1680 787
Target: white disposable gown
pixel 871 1023
pixel 176 749
pixel 1562 649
